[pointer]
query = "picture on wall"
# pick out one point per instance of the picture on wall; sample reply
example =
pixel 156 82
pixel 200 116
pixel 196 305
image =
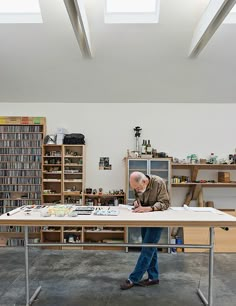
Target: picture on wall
pixel 104 163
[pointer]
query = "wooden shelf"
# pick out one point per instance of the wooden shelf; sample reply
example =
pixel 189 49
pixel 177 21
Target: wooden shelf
pixel 52 145
pixel 71 193
pixel 104 232
pixel 72 231
pixel 54 173
pixel 51 165
pixel 195 191
pixel 51 194
pixel 103 195
pixel 204 166
pixel 50 231
pixel 73 165
pixel 51 156
pixel 73 181
pixel 73 156
pixel 51 181
pixel 204 184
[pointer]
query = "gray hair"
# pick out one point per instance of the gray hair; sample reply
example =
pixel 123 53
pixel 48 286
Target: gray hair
pixel 138 176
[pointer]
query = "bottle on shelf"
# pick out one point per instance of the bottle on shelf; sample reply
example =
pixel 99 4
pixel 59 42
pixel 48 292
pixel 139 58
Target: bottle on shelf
pixel 149 148
pixel 144 147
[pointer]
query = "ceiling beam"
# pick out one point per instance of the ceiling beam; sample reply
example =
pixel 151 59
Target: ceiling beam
pixel 211 19
pixel 79 21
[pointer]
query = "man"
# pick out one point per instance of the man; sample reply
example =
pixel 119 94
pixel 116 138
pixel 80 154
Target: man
pixel 150 195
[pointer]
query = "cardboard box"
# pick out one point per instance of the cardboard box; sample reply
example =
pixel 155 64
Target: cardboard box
pixel 224 177
pixel 3 241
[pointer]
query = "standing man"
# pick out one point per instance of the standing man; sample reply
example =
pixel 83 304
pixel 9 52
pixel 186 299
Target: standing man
pixel 150 195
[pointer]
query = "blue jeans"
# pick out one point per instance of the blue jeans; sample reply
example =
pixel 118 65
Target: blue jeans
pixel 147 261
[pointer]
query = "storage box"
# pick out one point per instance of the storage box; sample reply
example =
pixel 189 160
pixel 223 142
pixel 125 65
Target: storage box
pixel 3 241
pixel 224 177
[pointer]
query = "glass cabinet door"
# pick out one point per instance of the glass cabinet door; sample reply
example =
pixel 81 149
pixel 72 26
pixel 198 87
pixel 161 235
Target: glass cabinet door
pixel 136 165
pixel 161 168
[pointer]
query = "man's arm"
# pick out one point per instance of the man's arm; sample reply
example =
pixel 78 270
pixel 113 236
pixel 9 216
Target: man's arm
pixel 163 200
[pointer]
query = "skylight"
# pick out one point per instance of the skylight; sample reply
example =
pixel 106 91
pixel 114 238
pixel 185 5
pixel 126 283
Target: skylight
pixel 132 11
pixel 231 18
pixel 20 11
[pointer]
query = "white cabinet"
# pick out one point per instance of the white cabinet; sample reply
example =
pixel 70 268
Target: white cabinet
pixel 160 167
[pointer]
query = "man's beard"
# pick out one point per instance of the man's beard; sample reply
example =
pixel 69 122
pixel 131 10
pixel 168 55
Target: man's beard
pixel 141 191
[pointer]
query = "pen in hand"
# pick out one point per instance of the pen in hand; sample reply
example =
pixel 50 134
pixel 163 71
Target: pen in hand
pixel 136 203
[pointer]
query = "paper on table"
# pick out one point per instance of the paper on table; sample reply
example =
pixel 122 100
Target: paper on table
pixel 126 206
pixel 198 209
pixel 176 208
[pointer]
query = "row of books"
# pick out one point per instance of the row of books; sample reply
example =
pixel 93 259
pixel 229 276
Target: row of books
pixel 33 151
pixel 20 180
pixel 20 143
pixel 20 158
pixel 28 195
pixel 19 188
pixel 21 166
pixel 21 136
pixel 21 173
pixel 20 129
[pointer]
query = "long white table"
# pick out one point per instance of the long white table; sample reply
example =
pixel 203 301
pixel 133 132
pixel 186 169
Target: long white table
pixel 173 217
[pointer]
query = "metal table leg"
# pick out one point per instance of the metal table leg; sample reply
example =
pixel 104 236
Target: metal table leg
pixel 210 246
pixel 29 300
pixel 210 273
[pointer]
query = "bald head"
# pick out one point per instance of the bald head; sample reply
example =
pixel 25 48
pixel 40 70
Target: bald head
pixel 138 181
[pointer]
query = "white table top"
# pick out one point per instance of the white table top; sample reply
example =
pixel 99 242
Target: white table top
pixel 172 217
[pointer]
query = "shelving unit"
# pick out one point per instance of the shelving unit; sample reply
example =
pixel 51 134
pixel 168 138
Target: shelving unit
pixel 73 173
pixel 195 187
pixel 84 234
pixel 63 174
pixel 225 241
pixel 52 174
pixel 21 140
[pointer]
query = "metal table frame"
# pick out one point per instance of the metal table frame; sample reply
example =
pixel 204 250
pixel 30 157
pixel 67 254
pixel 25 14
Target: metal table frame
pixel 210 246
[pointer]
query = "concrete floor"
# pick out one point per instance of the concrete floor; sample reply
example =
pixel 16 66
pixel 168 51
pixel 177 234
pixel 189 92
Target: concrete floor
pixel 92 278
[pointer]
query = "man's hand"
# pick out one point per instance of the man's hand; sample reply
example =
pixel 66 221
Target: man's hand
pixel 136 204
pixel 142 209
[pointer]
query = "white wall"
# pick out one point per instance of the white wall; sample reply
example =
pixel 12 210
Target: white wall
pixel 178 129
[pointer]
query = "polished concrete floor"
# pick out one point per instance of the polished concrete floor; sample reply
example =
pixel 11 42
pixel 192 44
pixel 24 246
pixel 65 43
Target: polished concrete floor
pixel 92 278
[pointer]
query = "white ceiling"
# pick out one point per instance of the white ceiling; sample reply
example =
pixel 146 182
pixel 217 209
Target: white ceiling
pixel 131 63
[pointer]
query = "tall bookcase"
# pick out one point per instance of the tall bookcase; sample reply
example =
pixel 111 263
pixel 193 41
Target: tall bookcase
pixel 21 140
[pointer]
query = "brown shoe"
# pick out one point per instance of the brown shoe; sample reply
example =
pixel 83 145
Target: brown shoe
pixel 149 282
pixel 126 285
